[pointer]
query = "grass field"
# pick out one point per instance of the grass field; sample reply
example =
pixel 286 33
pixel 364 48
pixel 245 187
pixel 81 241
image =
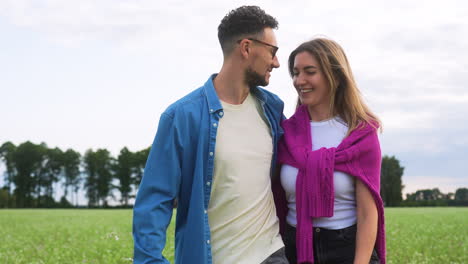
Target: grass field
pixel 414 235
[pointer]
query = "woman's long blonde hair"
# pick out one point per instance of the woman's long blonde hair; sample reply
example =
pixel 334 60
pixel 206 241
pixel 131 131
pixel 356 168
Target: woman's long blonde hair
pixel 346 99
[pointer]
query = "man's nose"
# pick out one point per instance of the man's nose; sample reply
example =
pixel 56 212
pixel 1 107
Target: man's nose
pixel 276 63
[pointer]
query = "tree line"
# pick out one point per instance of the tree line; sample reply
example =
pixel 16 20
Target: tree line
pixel 391 187
pixel 33 173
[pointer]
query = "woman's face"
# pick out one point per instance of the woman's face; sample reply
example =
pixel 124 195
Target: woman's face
pixel 310 82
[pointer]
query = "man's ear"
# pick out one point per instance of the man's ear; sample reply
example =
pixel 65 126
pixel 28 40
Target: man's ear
pixel 244 47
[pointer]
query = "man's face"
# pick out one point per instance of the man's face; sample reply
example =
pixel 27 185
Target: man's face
pixel 263 60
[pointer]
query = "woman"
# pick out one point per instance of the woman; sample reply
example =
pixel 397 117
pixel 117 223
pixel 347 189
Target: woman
pixel 328 192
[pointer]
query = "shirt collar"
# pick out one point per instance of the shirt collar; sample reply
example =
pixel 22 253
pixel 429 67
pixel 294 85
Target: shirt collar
pixel 259 94
pixel 214 104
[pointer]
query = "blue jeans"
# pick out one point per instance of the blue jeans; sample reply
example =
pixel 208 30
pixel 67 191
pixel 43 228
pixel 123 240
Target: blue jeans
pixel 330 246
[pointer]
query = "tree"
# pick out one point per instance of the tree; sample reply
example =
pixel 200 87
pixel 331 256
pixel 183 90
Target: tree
pixel 50 173
pixel 124 169
pixel 7 151
pixel 140 163
pixel 64 203
pixel 27 160
pixel 71 166
pixel 426 195
pixel 5 197
pixel 390 183
pixel 461 194
pixel 99 176
pixel 91 178
pixel 429 197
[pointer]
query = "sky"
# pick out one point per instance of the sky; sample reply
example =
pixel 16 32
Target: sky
pixel 98 74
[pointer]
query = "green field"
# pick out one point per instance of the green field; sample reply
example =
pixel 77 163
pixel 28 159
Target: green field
pixel 68 236
pixel 414 235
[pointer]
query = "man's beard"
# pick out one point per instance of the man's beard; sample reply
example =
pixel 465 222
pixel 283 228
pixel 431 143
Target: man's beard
pixel 254 79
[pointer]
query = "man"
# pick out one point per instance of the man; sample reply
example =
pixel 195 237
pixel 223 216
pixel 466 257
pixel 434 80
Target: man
pixel 213 152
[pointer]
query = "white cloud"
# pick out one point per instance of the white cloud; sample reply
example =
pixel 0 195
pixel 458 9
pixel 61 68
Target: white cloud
pixel 400 120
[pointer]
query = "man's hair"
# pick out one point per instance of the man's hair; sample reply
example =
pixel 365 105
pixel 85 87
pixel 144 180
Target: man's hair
pixel 245 21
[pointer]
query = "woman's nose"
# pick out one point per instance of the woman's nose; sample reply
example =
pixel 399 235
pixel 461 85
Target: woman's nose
pixel 299 80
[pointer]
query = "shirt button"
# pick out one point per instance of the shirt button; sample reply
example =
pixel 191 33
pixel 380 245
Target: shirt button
pixel 211 110
pixel 205 211
pixel 207 241
pixel 221 113
pixel 211 153
pixel 208 183
pixel 317 230
pixel 215 125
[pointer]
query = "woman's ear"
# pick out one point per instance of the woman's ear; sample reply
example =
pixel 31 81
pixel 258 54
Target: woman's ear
pixel 337 78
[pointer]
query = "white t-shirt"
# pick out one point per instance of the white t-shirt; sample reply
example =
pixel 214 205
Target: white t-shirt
pixel 242 215
pixel 328 133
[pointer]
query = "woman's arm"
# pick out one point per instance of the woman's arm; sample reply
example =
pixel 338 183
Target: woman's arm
pixel 367 219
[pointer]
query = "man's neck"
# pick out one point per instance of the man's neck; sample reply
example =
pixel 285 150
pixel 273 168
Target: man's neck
pixel 230 86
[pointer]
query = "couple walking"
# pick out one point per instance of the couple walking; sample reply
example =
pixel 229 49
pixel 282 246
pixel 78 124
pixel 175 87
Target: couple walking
pixel 252 186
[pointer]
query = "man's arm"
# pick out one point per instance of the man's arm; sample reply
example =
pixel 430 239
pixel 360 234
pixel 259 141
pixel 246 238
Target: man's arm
pixel 158 189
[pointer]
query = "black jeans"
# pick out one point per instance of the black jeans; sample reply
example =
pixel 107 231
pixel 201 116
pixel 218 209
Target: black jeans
pixel 330 246
pixel 278 257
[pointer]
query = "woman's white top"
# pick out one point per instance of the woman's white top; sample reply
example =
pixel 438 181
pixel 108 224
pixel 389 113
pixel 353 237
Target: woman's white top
pixel 327 133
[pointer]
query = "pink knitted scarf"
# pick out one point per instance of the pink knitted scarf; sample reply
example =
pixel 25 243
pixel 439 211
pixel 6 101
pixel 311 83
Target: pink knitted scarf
pixel 358 155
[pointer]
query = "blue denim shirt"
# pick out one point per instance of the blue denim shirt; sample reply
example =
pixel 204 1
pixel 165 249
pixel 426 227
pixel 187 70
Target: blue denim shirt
pixel 180 165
